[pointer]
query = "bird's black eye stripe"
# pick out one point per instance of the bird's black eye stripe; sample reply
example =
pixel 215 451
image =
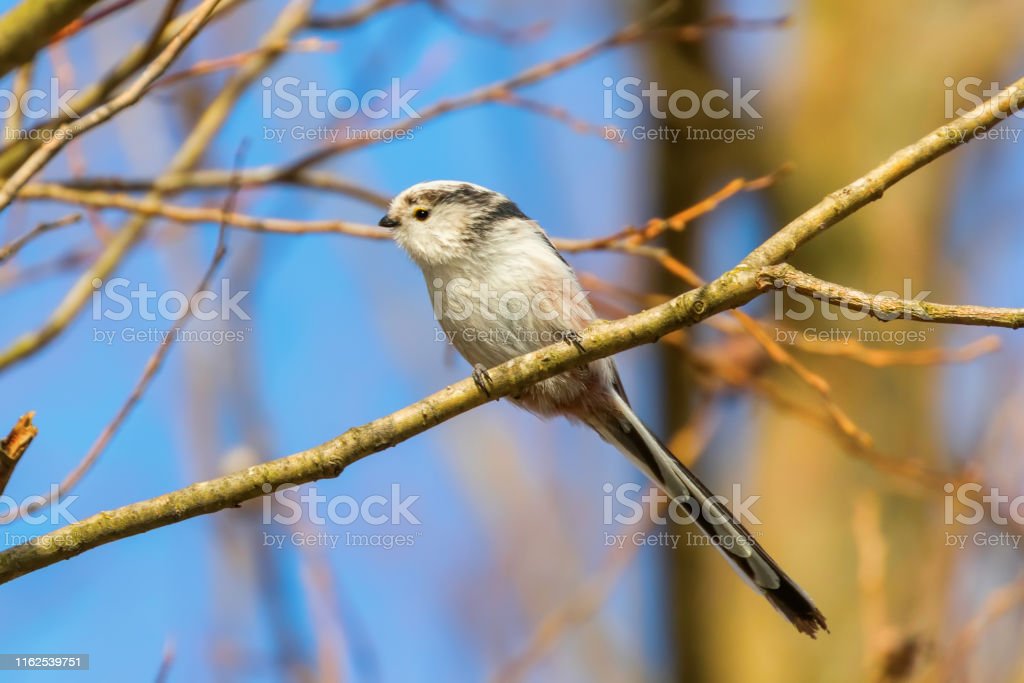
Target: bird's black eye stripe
pixel 421 214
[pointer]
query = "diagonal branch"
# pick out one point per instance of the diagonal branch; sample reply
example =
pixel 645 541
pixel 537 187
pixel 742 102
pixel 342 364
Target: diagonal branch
pixel 27 28
pixel 15 154
pixel 730 290
pixel 870 187
pixel 187 156
pixel 149 372
pixel 331 458
pixel 128 98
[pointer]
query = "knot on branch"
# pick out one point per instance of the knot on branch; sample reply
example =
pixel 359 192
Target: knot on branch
pixel 15 445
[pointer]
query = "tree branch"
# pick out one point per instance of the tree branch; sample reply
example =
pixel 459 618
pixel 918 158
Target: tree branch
pixel 66 132
pixel 187 156
pixel 27 28
pixel 870 187
pixel 331 458
pixel 14 446
pixel 887 308
pixel 730 290
pixel 15 154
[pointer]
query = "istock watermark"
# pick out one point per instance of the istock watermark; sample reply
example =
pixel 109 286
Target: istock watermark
pixel 633 505
pixel 982 505
pixel 52 509
pixel 792 304
pixel 631 98
pixel 483 313
pixel 962 96
pixel 290 98
pixel 857 335
pixel 36 104
pixel 649 99
pixel 119 299
pixel 293 506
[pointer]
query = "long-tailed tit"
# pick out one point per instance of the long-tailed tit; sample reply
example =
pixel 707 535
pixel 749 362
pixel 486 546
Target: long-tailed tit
pixel 500 289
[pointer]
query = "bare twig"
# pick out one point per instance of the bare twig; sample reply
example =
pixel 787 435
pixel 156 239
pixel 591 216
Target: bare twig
pixel 496 90
pixel 81 23
pixel 14 446
pixel 647 28
pixel 28 27
pixel 631 236
pixel 209 66
pixel 880 358
pixel 579 608
pixel 486 27
pixel 166 662
pixel 215 179
pixel 732 289
pixel 129 97
pixel 153 365
pixel 187 156
pixel 886 308
pixel 153 206
pixel 12 156
pixel 14 246
pixel 999 603
pixel 353 17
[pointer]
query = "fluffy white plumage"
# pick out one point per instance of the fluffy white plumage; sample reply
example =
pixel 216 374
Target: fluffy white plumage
pixel 499 290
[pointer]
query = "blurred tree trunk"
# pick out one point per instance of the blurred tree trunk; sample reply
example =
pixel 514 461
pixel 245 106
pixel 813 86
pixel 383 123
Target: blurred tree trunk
pixel 679 169
pixel 835 118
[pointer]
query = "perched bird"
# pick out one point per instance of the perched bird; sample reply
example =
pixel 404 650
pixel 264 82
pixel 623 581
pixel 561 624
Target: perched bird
pixel 500 289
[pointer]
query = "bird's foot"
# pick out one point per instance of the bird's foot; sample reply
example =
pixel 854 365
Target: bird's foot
pixel 573 337
pixel 481 378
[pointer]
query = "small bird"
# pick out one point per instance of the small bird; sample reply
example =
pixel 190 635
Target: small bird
pixel 500 289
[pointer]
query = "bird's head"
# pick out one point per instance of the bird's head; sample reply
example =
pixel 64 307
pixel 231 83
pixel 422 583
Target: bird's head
pixel 445 220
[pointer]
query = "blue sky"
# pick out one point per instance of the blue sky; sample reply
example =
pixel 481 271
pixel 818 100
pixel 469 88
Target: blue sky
pixel 341 333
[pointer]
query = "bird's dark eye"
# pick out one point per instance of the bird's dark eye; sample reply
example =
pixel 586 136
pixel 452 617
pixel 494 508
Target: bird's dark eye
pixel 421 214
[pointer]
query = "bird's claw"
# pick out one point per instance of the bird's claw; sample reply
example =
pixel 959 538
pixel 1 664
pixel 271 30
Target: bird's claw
pixel 481 378
pixel 573 337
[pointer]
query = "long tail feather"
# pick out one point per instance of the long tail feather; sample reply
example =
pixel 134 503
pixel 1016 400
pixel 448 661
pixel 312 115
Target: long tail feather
pixel 632 437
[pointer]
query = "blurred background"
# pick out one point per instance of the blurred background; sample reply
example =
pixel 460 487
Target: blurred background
pixel 520 561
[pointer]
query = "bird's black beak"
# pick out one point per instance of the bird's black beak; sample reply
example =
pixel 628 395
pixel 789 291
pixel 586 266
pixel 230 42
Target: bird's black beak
pixel 388 222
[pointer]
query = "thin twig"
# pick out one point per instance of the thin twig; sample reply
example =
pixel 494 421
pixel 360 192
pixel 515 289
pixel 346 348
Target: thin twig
pixel 486 27
pixel 734 288
pixel 881 358
pixel 185 159
pixel 188 214
pixel 886 308
pixel 209 66
pixel 128 98
pixel 15 154
pixel 213 179
pixel 353 17
pixel 632 236
pixel 496 90
pixel 150 370
pixel 14 246
pixel 81 23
